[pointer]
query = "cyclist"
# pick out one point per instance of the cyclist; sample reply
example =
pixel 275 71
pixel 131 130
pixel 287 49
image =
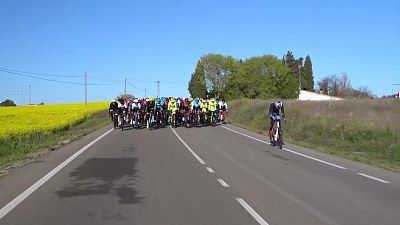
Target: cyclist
pixel 158 111
pixel 186 111
pixel 273 112
pixel 212 106
pixel 120 111
pixel 113 108
pixel 150 111
pixel 223 107
pixel 172 109
pixel 196 109
pixel 204 109
pixel 135 111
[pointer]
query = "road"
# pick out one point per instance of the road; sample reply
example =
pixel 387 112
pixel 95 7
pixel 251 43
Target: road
pixel 209 175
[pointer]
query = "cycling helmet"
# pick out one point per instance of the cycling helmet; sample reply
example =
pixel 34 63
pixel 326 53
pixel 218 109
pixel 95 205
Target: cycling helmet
pixel 278 104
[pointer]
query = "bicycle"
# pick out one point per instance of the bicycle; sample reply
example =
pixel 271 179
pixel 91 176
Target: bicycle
pixel 123 118
pixel 188 118
pixel 213 118
pixel 276 135
pixel 115 119
pixel 172 118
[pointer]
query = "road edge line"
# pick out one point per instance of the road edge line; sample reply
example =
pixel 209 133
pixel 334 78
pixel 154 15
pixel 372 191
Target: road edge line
pixel 373 178
pixel 16 201
pixel 288 150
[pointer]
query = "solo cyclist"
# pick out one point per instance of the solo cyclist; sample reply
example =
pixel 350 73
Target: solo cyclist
pixel 273 113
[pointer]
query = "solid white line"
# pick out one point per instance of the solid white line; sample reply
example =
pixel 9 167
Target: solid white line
pixel 291 151
pixel 319 160
pixel 223 183
pixel 374 178
pixel 253 213
pixel 210 170
pixel 188 148
pixel 265 142
pixel 11 205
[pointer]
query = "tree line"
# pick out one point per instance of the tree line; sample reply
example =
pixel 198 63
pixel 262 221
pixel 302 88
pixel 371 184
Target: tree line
pixel 341 87
pixel 264 77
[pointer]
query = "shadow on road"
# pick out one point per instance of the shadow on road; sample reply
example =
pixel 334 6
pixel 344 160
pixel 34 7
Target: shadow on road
pixel 103 176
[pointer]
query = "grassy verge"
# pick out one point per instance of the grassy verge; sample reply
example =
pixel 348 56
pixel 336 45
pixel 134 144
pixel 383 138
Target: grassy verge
pixel 17 150
pixel 367 131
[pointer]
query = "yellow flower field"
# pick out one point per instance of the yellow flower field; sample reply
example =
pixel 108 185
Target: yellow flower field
pixel 44 118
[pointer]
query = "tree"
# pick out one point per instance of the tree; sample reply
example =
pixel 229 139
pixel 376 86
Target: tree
pixel 345 89
pixel 8 102
pixel 125 96
pixel 308 74
pixel 197 83
pixel 329 85
pixel 218 70
pixel 296 66
pixel 341 87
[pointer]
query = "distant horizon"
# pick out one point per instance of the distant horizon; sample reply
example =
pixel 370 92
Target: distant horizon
pixel 162 41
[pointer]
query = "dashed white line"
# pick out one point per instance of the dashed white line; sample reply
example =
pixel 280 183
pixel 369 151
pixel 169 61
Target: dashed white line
pixel 373 178
pixel 223 183
pixel 188 148
pixel 253 213
pixel 11 205
pixel 288 150
pixel 210 170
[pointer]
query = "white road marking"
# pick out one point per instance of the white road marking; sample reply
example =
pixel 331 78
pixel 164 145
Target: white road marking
pixel 210 170
pixel 15 202
pixel 223 183
pixel 253 213
pixel 288 150
pixel 188 148
pixel 373 178
pixel 319 160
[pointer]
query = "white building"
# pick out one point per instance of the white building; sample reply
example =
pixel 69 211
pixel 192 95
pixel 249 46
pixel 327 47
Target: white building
pixel 312 96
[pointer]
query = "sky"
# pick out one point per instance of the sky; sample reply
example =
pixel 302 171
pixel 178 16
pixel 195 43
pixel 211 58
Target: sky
pixel 146 41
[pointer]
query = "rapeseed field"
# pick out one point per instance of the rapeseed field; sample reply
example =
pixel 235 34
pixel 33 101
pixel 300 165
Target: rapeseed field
pixel 44 119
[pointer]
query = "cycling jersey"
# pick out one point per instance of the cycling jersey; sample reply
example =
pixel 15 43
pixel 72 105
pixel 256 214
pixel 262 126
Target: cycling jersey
pixel 172 106
pixel 113 106
pixel 275 107
pixel 135 106
pixel 196 104
pixel 212 105
pixel 204 106
pixel 159 105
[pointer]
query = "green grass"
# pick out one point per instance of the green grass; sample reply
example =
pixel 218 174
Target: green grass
pixel 17 150
pixel 367 131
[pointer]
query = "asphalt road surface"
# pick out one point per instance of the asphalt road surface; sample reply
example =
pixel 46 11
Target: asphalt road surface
pixel 210 175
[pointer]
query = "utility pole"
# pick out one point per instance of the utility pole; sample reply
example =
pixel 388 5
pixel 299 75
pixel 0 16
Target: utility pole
pixel 30 96
pixel 85 89
pixel 125 85
pixel 158 89
pixel 145 93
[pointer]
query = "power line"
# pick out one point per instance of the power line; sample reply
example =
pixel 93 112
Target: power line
pixel 155 81
pixel 40 74
pixel 47 79
pixel 113 81
pixel 40 78
pixel 142 89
